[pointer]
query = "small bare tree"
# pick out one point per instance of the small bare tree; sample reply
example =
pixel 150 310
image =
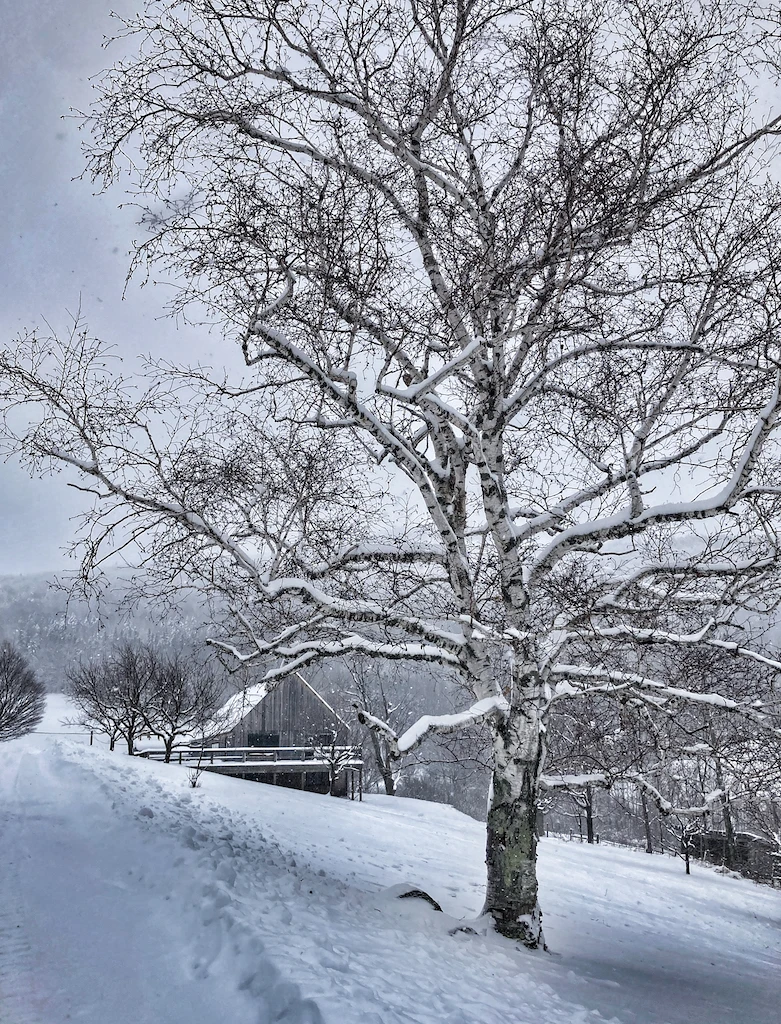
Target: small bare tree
pixel 379 688
pixel 113 693
pixel 184 696
pixel 22 695
pixel 335 758
pixel 518 265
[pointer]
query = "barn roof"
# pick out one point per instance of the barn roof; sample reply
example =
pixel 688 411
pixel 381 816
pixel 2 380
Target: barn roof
pixel 241 703
pixel 235 709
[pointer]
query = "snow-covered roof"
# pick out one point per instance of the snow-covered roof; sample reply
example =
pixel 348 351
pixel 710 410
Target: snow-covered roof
pixel 234 709
pixel 241 703
pixel 322 700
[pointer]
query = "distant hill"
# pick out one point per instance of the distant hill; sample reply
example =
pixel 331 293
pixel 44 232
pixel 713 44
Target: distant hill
pixel 54 629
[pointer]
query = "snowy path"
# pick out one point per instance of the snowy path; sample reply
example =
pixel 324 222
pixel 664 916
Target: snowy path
pixel 85 936
pixel 127 896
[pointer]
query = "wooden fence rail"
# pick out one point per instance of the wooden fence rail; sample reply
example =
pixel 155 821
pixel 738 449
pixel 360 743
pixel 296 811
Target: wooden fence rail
pixel 257 755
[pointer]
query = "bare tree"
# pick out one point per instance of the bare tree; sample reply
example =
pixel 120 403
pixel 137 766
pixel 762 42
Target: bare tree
pixel 383 690
pixel 184 696
pixel 22 695
pixel 89 687
pixel 336 760
pixel 114 693
pixel 517 263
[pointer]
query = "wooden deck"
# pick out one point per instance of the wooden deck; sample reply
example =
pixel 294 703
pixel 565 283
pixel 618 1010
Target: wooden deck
pixel 266 761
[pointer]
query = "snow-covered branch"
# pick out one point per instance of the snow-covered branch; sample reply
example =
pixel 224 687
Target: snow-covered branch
pixel 428 725
pixel 576 680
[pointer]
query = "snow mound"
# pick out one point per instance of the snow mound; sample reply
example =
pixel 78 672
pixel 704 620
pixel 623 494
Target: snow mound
pixel 143 899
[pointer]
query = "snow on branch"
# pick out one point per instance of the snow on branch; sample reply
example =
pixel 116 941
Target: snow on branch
pixel 548 782
pixel 298 655
pixel 614 681
pixel 360 555
pixel 700 637
pixel 591 535
pixel 665 807
pixel 429 725
pixel 605 780
pixel 416 391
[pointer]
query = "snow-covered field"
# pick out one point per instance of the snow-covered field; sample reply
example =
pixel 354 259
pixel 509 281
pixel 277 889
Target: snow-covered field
pixel 126 896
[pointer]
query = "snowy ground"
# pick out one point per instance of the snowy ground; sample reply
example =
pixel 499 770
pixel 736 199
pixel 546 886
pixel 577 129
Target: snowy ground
pixel 126 896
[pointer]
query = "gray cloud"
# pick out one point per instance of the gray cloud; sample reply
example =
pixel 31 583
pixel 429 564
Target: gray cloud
pixel 62 246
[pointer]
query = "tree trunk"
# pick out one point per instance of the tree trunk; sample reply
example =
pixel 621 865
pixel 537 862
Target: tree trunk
pixel 388 781
pixel 726 813
pixel 511 849
pixel 589 814
pixel 130 739
pixel 383 765
pixel 649 842
pixel 169 743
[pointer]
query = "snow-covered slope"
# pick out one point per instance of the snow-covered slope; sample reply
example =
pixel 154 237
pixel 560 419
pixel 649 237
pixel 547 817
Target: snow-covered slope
pixel 127 897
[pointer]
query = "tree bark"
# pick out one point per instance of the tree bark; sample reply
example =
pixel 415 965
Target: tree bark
pixel 388 781
pixel 726 813
pixel 511 849
pixel 383 766
pixel 649 842
pixel 589 802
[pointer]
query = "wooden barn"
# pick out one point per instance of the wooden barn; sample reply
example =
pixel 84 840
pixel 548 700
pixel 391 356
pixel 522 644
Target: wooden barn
pixel 287 735
pixel 292 714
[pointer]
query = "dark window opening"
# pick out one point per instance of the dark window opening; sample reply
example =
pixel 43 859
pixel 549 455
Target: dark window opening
pixel 263 739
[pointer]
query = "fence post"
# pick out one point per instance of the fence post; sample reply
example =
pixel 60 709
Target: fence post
pixel 90 737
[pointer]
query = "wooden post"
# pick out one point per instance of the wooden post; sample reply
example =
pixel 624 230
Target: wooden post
pixel 90 737
pixel 360 785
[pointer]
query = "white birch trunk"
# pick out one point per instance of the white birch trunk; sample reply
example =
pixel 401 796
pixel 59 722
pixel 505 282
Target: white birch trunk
pixel 511 846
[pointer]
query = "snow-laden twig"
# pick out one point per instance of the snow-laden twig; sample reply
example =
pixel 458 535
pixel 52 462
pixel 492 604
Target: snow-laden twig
pixel 428 725
pixel 615 681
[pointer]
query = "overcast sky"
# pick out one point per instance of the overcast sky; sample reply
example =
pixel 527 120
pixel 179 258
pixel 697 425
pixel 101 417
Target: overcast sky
pixel 61 245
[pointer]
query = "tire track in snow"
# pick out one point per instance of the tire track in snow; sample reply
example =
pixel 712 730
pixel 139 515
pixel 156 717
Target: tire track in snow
pixel 201 881
pixel 268 919
pixel 17 967
pixel 21 998
pixel 17 959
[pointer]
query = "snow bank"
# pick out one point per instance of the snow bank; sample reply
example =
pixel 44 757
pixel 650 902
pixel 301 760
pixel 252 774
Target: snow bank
pixel 139 899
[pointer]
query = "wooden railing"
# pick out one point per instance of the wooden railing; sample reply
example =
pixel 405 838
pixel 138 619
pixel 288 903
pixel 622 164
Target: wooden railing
pixel 257 755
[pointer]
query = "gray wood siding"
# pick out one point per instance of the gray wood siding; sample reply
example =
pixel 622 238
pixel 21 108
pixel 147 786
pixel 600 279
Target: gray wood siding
pixel 293 712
